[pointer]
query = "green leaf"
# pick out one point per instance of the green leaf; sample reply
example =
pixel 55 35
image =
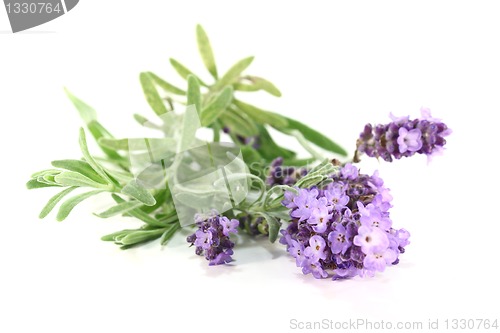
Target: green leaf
pixel 269 149
pixel 121 208
pixel 80 167
pixel 48 179
pixel 34 184
pixel 87 113
pixel 313 136
pixel 165 85
pixel 274 226
pixel 45 172
pixel 141 236
pixel 184 72
pixel 152 97
pixel 90 160
pixel 138 213
pixel 137 191
pixel 233 73
pixel 299 162
pixel 70 178
pixel 89 116
pixel 257 83
pixel 117 235
pixel 193 93
pixel 169 233
pixel 98 132
pixel 250 155
pixel 206 50
pixel 261 116
pixel 217 106
pixel 190 125
pixel 239 123
pixel 54 201
pixel 71 203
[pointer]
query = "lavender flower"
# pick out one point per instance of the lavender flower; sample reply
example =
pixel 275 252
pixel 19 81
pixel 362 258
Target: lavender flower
pixel 282 175
pixel 403 138
pixel 212 237
pixel 345 229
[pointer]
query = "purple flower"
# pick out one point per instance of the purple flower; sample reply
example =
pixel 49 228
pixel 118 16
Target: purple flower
pixel 339 239
pixel 376 261
pixel 343 230
pixel 212 237
pixel 222 258
pixel 319 218
pixel 305 201
pixel 297 251
pixel 403 138
pixel 371 216
pixel 409 140
pixel 402 236
pixel 371 240
pixel 336 197
pixel 316 249
pixel 229 226
pixel 349 171
pixel 203 239
pixel 314 267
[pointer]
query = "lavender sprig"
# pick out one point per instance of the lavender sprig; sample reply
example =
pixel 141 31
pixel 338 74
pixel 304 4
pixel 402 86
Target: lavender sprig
pixel 212 237
pixel 403 138
pixel 345 229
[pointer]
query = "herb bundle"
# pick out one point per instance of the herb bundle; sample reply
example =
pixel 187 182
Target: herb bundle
pixel 332 219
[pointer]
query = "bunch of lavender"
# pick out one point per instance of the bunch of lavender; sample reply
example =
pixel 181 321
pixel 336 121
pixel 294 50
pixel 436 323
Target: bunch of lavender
pixel 212 237
pixel 339 219
pixel 344 229
pixel 403 138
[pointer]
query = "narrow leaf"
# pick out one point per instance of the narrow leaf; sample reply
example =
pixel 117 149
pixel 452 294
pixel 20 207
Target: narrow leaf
pixel 71 203
pixel 80 167
pixel 233 73
pixel 193 93
pixel 90 160
pixel 152 97
pixel 141 236
pixel 169 233
pixel 87 113
pixel 274 226
pixel 206 50
pixel 121 208
pixel 89 116
pixel 165 85
pixel 138 213
pixel 70 178
pixel 257 83
pixel 184 72
pixel 217 106
pixel 54 201
pixel 313 136
pixel 34 184
pixel 239 123
pixel 270 149
pixel 116 235
pixel 261 116
pixel 98 131
pixel 137 191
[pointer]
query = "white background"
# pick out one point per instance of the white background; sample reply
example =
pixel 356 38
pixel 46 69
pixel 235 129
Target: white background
pixel 339 66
